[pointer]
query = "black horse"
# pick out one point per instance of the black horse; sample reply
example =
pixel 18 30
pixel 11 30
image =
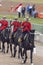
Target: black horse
pixel 27 43
pixel 14 41
pixel 2 40
pixel 6 34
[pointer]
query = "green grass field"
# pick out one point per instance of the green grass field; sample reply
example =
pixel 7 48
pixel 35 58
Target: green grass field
pixel 32 20
pixel 32 1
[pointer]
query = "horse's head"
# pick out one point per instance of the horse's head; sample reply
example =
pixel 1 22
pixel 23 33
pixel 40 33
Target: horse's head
pixel 26 36
pixel 15 34
pixel 20 38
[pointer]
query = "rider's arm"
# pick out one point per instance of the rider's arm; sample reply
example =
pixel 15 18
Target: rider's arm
pixel 29 25
pixel 2 27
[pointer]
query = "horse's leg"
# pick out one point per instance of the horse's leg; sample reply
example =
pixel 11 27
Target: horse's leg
pixel 3 47
pixel 7 47
pixel 0 44
pixel 25 53
pixel 31 56
pixel 19 52
pixel 24 56
pixel 11 49
pixel 15 50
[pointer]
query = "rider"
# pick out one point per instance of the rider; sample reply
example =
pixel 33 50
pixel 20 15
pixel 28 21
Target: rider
pixel 16 25
pixel 26 25
pixel 3 25
pixel 26 29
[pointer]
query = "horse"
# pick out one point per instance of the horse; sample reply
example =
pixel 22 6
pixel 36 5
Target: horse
pixel 14 41
pixel 6 34
pixel 2 40
pixel 24 42
pixel 27 43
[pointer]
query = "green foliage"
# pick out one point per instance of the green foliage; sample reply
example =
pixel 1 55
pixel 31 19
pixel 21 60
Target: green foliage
pixel 32 20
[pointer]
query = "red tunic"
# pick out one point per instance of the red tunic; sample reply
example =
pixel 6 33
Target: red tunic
pixel 4 24
pixel 16 25
pixel 26 26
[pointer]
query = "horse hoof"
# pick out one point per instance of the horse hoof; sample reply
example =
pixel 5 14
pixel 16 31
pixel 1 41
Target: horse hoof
pixel 32 64
pixel 0 47
pixel 11 56
pixel 22 62
pixel 6 51
pixel 18 57
pixel 14 56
